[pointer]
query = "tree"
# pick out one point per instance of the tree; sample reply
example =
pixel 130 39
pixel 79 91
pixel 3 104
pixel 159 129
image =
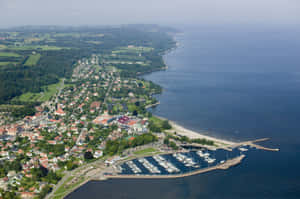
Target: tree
pixel 166 125
pixel 173 145
pixel 87 139
pixel 166 141
pixel 47 189
pixel 70 165
pixel 135 113
pixel 88 155
pixel 89 126
pixel 38 173
pixel 46 109
pixel 52 177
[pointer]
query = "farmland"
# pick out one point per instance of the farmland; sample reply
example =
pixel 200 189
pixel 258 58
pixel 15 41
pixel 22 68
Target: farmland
pixel 7 63
pixel 37 47
pixel 32 60
pixel 9 54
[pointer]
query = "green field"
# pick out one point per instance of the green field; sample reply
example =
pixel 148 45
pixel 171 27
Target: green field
pixel 9 54
pixel 145 151
pixel 94 42
pixel 157 121
pixel 2 46
pixel 9 106
pixel 36 47
pixel 6 63
pixel 32 60
pixel 48 92
pixel 139 49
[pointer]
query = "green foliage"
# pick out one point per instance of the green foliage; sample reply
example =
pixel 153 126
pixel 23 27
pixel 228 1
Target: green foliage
pixel 158 125
pixel 47 189
pixel 170 143
pixel 52 177
pixel 39 173
pixel 88 156
pixel 166 125
pixel 117 146
pixel 173 145
pixel 187 140
pixel 145 151
pixel 69 164
pixel 7 166
pixel 203 141
pixel 58 57
pixel 9 195
pixel 32 60
pixel 9 54
pixel 166 141
pixel 26 110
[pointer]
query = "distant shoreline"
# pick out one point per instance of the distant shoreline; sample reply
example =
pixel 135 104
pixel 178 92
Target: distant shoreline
pixel 181 130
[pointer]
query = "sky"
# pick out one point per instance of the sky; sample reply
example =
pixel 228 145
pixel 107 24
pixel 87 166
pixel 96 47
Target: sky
pixel 112 12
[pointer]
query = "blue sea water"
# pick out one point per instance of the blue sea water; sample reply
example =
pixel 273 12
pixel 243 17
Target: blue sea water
pixel 233 82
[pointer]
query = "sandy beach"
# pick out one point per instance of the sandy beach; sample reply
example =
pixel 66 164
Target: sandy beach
pixel 180 130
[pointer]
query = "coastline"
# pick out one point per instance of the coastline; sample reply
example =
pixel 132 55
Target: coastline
pixel 192 134
pixel 183 131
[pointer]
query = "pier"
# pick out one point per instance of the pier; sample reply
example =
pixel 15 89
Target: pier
pixel 230 147
pixel 252 143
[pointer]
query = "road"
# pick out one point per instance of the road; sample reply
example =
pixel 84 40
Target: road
pixel 107 93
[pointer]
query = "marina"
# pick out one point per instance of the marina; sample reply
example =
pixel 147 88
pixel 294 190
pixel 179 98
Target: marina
pixel 227 164
pixel 149 166
pixel 179 162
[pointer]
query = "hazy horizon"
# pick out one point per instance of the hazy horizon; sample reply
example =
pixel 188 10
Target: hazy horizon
pixel 173 12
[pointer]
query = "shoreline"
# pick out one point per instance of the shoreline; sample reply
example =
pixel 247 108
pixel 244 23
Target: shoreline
pixel 192 134
pixel 183 131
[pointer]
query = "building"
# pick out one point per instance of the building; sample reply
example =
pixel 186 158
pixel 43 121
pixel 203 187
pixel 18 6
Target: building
pixel 60 112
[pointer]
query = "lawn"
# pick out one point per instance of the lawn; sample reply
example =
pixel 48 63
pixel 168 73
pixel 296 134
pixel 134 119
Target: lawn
pixel 145 151
pixel 2 46
pixel 156 121
pixel 48 92
pixel 134 49
pixel 32 60
pixel 94 42
pixel 8 106
pixel 37 47
pixel 6 63
pixel 62 189
pixel 9 54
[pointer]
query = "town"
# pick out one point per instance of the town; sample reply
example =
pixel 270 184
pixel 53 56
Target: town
pixel 97 113
pixel 96 124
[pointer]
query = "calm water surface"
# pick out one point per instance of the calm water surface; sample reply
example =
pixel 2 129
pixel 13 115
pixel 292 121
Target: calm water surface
pixel 235 83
